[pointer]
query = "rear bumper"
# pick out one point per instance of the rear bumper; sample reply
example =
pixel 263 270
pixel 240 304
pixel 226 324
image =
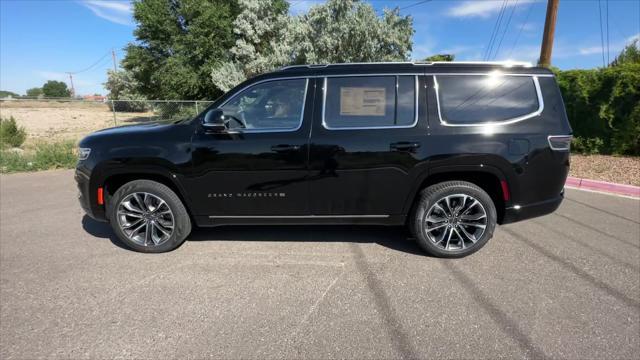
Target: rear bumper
pixel 515 213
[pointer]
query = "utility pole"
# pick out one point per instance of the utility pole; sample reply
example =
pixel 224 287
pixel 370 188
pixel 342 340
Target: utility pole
pixel 113 56
pixel 73 90
pixel 549 29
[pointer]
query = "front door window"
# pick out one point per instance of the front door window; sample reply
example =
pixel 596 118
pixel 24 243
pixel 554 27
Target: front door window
pixel 271 105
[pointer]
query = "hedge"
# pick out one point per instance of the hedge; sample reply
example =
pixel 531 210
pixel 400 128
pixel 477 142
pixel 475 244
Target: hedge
pixel 603 106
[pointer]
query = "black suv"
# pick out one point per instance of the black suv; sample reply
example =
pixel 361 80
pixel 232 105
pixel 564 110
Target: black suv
pixel 449 149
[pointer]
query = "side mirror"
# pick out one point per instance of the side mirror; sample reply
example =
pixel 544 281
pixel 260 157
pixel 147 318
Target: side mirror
pixel 214 120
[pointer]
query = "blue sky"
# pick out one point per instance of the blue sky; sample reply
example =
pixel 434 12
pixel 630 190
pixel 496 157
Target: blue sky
pixel 41 40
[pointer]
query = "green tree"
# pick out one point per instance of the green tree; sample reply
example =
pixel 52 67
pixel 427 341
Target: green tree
pixel 629 55
pixel 122 86
pixel 54 88
pixel 4 93
pixel 261 44
pixel 440 57
pixel 34 92
pixel 350 31
pixel 335 32
pixel 178 42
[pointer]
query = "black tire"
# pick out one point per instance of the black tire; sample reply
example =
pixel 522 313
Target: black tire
pixel 435 193
pixel 182 222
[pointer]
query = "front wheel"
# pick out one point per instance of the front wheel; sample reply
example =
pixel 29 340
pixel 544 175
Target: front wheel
pixel 147 216
pixel 453 219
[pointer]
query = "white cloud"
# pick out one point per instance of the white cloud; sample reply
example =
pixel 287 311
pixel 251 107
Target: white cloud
pixel 614 48
pixel 460 49
pixel 481 8
pixel 420 52
pixel 590 50
pixel 118 12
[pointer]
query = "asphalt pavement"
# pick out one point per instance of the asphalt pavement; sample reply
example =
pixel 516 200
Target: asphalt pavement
pixel 566 285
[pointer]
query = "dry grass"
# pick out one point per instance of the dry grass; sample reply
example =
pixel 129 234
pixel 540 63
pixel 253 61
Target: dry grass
pixel 53 121
pixel 616 169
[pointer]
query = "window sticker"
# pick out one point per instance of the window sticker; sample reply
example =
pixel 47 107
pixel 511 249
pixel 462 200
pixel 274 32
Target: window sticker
pixel 362 101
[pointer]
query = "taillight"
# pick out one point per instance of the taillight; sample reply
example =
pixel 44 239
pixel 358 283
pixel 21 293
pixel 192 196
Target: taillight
pixel 560 142
pixel 505 190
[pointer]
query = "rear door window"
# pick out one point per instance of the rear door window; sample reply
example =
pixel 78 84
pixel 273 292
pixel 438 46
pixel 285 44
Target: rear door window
pixel 477 99
pixel 370 101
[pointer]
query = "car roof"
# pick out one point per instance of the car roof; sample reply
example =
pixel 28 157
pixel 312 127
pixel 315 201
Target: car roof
pixel 410 67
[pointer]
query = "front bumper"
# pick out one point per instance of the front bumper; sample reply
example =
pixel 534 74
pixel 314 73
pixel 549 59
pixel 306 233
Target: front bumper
pixel 87 201
pixel 518 213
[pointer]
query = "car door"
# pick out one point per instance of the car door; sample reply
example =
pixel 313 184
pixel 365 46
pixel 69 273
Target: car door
pixel 258 166
pixel 364 144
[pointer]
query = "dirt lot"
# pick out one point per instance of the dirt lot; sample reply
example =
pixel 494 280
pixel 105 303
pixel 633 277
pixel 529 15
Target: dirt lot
pixel 62 120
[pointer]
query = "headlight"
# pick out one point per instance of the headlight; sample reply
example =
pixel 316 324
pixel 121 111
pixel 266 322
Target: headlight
pixel 83 153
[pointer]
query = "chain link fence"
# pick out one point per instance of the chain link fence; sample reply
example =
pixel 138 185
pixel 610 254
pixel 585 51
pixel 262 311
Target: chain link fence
pixel 62 119
pixel 143 111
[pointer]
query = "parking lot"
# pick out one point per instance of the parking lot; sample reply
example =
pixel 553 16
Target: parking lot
pixel 562 286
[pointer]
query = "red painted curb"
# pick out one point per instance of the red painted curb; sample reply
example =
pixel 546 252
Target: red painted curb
pixel 603 186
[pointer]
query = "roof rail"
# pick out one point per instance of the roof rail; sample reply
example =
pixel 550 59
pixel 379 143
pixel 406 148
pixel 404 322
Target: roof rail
pixel 507 63
pixel 419 63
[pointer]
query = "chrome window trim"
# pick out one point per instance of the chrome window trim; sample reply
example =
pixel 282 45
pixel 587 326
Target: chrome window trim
pixel 296 216
pixel 271 130
pixel 416 105
pixel 491 123
pixel 489 73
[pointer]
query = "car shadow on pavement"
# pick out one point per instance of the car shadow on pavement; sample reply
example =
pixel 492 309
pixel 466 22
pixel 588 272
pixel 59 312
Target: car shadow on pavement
pixel 101 230
pixel 394 237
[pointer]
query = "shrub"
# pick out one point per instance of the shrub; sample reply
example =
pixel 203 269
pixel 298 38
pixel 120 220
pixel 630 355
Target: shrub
pixel 60 155
pixel 128 106
pixel 175 111
pixel 586 146
pixel 11 134
pixel 604 104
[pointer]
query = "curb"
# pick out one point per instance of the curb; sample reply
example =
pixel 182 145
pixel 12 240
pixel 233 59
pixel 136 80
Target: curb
pixel 603 186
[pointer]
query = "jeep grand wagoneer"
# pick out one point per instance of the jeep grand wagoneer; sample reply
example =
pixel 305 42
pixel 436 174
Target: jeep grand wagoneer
pixel 449 149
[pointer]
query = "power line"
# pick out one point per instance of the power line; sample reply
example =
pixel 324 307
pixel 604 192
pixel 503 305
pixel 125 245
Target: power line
pixel 526 19
pixel 416 4
pixel 92 65
pixel 601 32
pixel 506 27
pixel 494 32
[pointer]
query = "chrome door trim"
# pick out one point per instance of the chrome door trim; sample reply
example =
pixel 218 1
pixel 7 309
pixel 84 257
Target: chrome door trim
pixel 297 216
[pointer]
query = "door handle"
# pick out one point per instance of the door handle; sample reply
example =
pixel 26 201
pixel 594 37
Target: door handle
pixel 405 146
pixel 284 147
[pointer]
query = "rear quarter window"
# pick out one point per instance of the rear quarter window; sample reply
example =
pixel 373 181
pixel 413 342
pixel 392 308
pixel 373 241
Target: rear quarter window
pixel 477 99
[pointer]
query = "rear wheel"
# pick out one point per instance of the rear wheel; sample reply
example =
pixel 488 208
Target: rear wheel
pixel 148 217
pixel 453 219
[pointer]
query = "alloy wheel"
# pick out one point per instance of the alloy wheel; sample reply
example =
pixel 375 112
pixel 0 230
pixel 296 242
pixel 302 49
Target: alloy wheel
pixel 145 219
pixel 455 222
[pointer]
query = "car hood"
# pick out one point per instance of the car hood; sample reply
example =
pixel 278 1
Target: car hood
pixel 133 134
